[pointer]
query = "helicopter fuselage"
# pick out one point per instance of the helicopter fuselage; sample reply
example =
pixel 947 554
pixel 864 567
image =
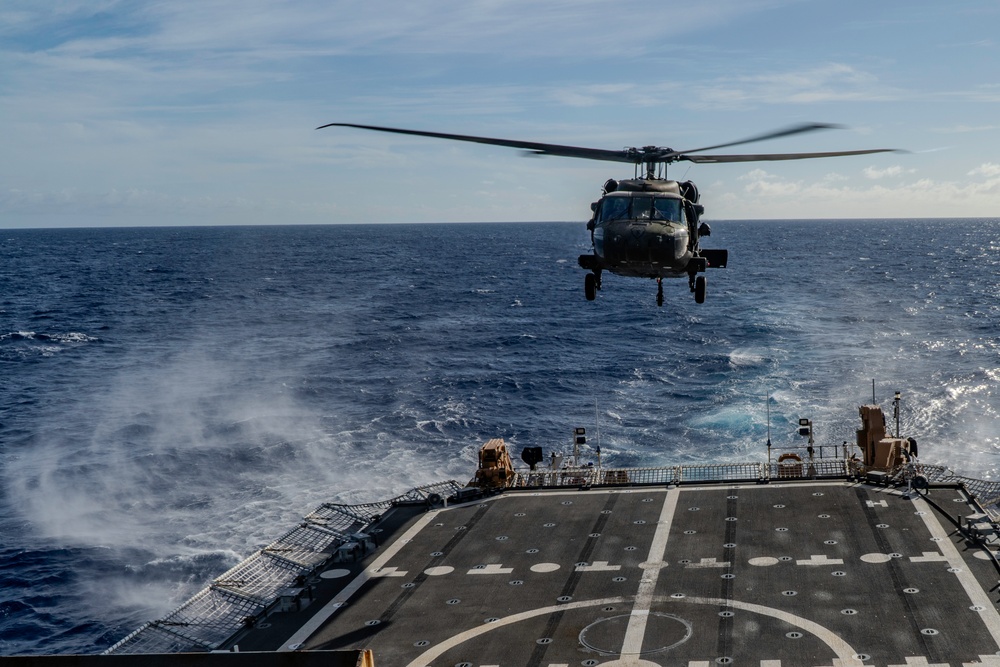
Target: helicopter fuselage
pixel 643 248
pixel 649 228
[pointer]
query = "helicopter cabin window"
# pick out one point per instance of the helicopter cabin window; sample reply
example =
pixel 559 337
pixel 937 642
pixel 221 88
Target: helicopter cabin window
pixel 614 208
pixel 642 208
pixel 667 209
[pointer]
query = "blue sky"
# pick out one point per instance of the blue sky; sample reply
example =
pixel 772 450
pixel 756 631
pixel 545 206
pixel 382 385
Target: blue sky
pixel 202 112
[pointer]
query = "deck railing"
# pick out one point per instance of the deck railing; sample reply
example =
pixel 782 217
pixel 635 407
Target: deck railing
pixel 235 599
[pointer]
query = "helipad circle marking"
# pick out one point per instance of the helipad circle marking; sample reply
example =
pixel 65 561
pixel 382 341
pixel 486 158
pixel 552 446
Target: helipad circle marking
pixel 334 574
pixel 876 558
pixel 544 567
pixel 982 555
pixel 841 649
pixel 439 570
pixel 763 561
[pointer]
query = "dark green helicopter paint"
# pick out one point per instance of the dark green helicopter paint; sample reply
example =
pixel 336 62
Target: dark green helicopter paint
pixel 646 227
pixel 650 229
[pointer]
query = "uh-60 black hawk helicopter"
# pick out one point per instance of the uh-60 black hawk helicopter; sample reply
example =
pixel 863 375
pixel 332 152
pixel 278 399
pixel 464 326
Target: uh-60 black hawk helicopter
pixel 647 226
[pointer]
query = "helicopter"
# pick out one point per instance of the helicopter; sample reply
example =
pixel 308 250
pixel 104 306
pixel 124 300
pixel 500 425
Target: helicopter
pixel 647 226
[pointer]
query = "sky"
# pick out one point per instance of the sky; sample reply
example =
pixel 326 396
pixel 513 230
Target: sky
pixel 202 112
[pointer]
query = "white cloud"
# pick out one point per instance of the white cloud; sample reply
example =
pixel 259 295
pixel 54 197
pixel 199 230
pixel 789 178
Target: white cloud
pixel 874 173
pixel 989 169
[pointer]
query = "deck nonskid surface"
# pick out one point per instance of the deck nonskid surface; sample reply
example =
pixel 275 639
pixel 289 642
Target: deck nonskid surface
pixel 785 573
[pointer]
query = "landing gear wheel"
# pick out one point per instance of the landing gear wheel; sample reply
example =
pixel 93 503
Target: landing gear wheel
pixel 659 291
pixel 590 286
pixel 699 289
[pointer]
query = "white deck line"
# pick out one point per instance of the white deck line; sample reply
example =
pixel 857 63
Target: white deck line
pixel 321 617
pixel 973 589
pixel 632 644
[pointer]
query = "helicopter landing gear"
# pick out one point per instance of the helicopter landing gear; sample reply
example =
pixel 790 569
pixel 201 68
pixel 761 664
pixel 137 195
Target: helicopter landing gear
pixel 591 284
pixel 659 291
pixel 699 289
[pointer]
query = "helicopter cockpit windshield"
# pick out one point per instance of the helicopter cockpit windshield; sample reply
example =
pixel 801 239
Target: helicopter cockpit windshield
pixel 641 208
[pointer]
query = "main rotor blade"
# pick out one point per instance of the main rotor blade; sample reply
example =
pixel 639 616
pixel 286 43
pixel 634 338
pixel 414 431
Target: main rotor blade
pixel 532 146
pixel 786 132
pixel 764 157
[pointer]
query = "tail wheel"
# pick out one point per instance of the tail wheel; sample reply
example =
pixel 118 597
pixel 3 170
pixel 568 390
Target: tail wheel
pixel 590 286
pixel 699 289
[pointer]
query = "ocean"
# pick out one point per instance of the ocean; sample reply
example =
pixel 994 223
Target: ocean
pixel 172 399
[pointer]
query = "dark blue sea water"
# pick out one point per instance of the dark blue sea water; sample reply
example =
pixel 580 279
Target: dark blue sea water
pixel 172 399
